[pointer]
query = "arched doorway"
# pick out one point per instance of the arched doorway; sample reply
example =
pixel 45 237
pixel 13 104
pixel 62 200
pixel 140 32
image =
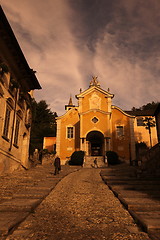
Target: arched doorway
pixel 95 141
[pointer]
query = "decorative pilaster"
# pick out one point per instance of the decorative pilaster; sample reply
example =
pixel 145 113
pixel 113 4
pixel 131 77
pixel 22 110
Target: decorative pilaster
pixel 132 140
pixel 58 137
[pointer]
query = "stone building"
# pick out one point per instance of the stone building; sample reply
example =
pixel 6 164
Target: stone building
pixel 17 82
pixel 95 126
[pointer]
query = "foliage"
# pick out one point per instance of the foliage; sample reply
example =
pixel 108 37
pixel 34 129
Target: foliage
pixel 141 145
pixel 112 158
pixel 43 124
pixel 148 106
pixel 13 83
pixel 149 122
pixel 141 148
pixel 77 158
pixel 3 68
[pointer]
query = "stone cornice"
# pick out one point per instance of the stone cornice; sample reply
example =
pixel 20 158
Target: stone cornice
pixel 91 89
pixel 94 111
pixel 115 107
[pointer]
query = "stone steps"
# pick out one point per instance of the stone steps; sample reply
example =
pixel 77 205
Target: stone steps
pixel 140 196
pixel 89 162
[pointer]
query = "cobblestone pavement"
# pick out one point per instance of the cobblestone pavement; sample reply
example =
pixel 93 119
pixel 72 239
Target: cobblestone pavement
pixel 22 191
pixel 80 206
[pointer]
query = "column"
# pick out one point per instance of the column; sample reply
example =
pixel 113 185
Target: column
pixel 87 148
pixel 107 144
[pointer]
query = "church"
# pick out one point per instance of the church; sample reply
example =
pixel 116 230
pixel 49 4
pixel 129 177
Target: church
pixel 95 126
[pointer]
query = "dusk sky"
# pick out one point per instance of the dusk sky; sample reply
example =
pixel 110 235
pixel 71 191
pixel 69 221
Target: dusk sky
pixel 69 41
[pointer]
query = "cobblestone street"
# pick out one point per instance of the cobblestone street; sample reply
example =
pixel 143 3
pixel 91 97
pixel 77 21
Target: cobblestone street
pixel 80 206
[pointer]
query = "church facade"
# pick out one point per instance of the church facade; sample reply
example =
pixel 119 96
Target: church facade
pixel 95 126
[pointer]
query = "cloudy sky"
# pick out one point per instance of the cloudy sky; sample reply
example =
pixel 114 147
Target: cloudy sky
pixel 69 41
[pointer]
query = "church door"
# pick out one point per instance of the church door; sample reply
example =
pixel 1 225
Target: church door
pixel 96 143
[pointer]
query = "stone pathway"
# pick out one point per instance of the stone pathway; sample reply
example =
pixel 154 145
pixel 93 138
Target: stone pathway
pixel 79 207
pixel 140 196
pixel 22 191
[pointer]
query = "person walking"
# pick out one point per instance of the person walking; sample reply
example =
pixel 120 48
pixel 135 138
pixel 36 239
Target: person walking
pixel 95 163
pixel 57 165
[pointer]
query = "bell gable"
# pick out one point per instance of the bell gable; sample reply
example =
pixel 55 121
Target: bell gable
pixel 94 98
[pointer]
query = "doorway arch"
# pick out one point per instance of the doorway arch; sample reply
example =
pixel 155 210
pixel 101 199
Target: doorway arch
pixel 95 141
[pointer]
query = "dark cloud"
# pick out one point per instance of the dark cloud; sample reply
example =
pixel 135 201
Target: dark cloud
pixel 68 41
pixel 90 18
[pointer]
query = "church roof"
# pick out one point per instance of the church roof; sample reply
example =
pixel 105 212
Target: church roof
pixel 70 102
pixel 94 84
pixel 148 112
pixel 12 53
pixel 127 113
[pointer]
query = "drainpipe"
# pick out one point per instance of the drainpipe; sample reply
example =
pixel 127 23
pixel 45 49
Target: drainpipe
pixel 14 118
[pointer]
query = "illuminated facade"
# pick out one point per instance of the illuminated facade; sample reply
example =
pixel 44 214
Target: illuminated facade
pixel 95 126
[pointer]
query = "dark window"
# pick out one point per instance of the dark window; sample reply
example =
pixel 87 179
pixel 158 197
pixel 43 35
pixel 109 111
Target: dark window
pixel 6 123
pixel 140 122
pixel 16 132
pixel 120 131
pixel 94 120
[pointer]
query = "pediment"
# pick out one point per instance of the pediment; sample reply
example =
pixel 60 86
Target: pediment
pixel 94 89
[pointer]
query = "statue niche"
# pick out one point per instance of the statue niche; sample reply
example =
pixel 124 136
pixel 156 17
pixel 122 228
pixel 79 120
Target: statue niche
pixel 95 101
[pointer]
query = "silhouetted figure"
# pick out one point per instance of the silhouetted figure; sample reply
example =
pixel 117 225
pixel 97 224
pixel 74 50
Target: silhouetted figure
pixel 57 164
pixel 95 163
pixel 40 156
pixel 36 157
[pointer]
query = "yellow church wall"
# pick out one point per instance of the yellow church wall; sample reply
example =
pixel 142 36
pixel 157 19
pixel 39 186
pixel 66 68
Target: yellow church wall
pixel 69 145
pixel 102 102
pixel 88 125
pixel 121 144
pixel 119 129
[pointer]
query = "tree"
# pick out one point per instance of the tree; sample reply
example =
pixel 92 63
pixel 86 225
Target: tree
pixel 146 106
pixel 149 123
pixel 43 124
